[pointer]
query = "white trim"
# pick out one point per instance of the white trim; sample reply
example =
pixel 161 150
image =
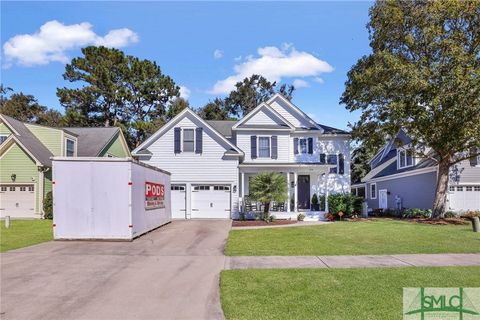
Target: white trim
pixel 172 122
pixel 376 170
pixel 370 191
pixel 13 137
pixel 9 125
pixel 256 110
pixel 269 147
pixel 262 129
pixel 399 151
pixel 4 135
pixel 182 140
pixel 404 174
pixel 75 145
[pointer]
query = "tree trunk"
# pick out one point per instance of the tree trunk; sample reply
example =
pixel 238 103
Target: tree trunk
pixel 439 204
pixel 266 209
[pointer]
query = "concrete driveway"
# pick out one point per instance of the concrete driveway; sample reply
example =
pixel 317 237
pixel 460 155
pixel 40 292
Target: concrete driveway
pixel 170 273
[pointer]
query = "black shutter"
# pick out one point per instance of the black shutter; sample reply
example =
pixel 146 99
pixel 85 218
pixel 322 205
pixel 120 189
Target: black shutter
pixel 176 139
pixel 310 145
pixel 198 140
pixel 274 147
pixel 253 147
pixel 295 145
pixel 323 158
pixel 473 158
pixel 341 164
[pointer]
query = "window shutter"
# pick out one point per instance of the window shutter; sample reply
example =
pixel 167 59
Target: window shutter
pixel 323 158
pixel 310 145
pixel 295 145
pixel 253 147
pixel 473 158
pixel 176 139
pixel 341 164
pixel 274 147
pixel 198 140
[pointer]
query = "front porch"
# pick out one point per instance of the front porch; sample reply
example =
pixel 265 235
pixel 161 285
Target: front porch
pixel 303 180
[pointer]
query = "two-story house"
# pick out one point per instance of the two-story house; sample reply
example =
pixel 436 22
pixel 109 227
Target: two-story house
pixel 211 162
pixel 400 179
pixel 26 167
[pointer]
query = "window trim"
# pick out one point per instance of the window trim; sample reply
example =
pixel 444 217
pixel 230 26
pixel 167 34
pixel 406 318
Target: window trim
pixel 74 147
pixel 269 147
pixel 399 153
pixel 4 135
pixel 193 139
pixel 370 190
pixel 300 145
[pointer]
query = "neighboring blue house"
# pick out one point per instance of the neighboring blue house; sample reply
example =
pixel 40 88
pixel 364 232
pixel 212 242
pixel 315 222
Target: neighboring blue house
pixel 398 179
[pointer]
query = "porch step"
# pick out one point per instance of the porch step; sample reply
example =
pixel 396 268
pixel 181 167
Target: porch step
pixel 314 215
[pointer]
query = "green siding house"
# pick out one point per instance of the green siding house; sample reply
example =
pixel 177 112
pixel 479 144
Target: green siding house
pixel 25 160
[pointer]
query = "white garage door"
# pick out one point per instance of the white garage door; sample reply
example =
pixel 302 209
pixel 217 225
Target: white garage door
pixel 17 201
pixel 211 201
pixel 178 201
pixel 464 197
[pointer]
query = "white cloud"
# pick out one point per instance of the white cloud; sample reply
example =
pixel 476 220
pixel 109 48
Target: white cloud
pixel 218 54
pixel 274 64
pixel 299 83
pixel 184 92
pixel 54 39
pixel 318 80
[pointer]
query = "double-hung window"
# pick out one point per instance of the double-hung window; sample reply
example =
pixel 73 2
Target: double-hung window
pixel 373 191
pixel 303 147
pixel 405 158
pixel 188 140
pixel 70 148
pixel 264 147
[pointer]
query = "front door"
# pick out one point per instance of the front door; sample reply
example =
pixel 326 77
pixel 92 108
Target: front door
pixel 383 199
pixel 303 186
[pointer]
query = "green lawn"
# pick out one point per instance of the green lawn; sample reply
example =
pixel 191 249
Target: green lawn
pixel 24 233
pixel 354 238
pixel 331 293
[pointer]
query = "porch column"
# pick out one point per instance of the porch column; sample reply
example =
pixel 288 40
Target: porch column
pixel 295 181
pixel 288 191
pixel 243 191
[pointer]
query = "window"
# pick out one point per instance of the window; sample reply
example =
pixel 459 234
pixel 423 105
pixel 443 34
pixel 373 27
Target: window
pixel 303 147
pixel 4 189
pixel 477 188
pixel 179 188
pixel 3 137
pixel 70 148
pixel 452 188
pixel 23 189
pixel 196 188
pixel 341 163
pixel 188 144
pixel 459 188
pixel 323 158
pixel 31 188
pixel 332 159
pixel 226 188
pixel 373 191
pixel 264 147
pixel 12 188
pixel 469 188
pixel 405 158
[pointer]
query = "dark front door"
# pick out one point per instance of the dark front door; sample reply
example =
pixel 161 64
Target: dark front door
pixel 303 187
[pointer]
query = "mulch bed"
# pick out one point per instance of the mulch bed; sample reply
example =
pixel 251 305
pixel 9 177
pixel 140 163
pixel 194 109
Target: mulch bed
pixel 255 223
pixel 445 221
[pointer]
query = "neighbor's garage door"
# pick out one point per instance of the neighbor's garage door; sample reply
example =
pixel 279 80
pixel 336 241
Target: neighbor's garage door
pixel 464 197
pixel 211 201
pixel 178 201
pixel 17 201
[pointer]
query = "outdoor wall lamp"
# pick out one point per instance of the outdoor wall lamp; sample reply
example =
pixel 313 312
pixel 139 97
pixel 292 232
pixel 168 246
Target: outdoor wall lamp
pixel 234 188
pixel 13 177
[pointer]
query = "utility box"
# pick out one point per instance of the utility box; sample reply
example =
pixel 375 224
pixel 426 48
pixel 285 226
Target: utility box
pixel 108 198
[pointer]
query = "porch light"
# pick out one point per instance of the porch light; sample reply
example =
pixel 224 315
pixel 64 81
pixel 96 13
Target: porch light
pixel 234 188
pixel 13 177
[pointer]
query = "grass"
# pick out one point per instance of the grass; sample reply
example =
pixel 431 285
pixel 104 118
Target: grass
pixel 331 293
pixel 24 233
pixel 354 238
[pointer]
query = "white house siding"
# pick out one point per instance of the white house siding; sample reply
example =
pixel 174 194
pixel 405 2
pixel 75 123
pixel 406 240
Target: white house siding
pixel 468 174
pixel 284 148
pixel 210 167
pixel 264 117
pixel 290 115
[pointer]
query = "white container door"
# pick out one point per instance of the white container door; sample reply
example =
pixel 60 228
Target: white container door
pixel 178 201
pixel 17 201
pixel 211 201
pixel 383 199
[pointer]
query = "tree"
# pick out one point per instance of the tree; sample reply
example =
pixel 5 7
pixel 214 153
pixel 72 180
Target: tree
pixel 252 91
pixel 119 90
pixel 26 108
pixel 214 110
pixel 423 75
pixel 176 107
pixel 267 187
pixel 359 165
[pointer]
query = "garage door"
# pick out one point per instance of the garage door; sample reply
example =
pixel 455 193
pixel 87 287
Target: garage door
pixel 17 201
pixel 211 201
pixel 178 201
pixel 464 197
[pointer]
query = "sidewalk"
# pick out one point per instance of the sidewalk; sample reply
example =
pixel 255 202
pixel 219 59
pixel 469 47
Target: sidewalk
pixel 397 260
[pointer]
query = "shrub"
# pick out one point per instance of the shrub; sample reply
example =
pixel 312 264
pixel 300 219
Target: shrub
pixel 451 214
pixel 348 203
pixel 48 206
pixel 314 199
pixel 300 217
pixel 415 213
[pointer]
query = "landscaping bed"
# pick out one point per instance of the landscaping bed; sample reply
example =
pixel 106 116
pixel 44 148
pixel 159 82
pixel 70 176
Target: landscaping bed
pixel 256 223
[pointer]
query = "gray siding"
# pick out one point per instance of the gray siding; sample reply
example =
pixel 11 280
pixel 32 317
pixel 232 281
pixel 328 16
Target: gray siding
pixel 416 191
pixel 468 174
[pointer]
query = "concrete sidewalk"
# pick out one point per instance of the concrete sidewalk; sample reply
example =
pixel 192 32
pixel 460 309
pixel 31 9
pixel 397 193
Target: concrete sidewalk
pixel 397 260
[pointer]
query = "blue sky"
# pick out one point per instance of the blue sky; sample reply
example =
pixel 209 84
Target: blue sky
pixel 203 46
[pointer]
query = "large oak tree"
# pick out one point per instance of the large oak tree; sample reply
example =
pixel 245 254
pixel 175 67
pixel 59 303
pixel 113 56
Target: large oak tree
pixel 423 75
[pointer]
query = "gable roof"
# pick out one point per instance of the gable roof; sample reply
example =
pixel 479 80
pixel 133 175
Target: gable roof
pixel 389 149
pixel 91 141
pixel 257 109
pixel 224 127
pixel 187 111
pixel 28 141
pixel 332 130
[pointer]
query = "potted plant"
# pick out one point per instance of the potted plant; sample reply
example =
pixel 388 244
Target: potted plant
pixel 315 206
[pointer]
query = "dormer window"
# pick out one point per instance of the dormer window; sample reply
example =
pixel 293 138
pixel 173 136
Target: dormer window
pixel 69 147
pixel 405 158
pixel 3 137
